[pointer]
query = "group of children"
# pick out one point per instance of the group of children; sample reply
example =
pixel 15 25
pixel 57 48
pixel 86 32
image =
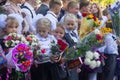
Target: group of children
pixel 48 29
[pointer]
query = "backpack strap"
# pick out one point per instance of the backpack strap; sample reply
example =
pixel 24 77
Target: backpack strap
pixel 23 6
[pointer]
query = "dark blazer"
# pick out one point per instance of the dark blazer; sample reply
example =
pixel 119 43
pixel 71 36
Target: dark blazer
pixel 42 9
pixel 69 40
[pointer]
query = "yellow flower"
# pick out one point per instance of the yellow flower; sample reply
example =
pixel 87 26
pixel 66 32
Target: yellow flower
pixel 109 21
pixel 90 16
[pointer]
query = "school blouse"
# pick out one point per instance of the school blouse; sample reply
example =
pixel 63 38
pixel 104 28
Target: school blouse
pixel 45 43
pixel 111 44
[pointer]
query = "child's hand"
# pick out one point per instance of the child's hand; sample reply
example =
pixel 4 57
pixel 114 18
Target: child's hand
pixel 55 58
pixel 78 70
pixel 118 41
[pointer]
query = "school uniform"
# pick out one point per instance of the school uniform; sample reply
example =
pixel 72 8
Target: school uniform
pixel 111 52
pixel 46 69
pixel 43 9
pixel 53 18
pixel 72 39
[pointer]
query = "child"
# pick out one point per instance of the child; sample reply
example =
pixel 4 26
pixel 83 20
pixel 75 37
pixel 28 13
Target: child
pixel 53 13
pixel 111 52
pixel 11 26
pixel 59 33
pixel 71 34
pixel 46 69
pixel 71 37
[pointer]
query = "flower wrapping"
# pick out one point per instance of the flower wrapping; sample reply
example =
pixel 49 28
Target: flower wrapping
pixel 20 57
pixel 89 23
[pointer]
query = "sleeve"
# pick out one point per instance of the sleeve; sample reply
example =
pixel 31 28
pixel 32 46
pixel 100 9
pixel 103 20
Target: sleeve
pixel 110 44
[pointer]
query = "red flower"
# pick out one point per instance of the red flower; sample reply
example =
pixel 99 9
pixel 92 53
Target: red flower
pixel 20 48
pixel 95 18
pixel 84 14
pixel 43 51
pixel 62 44
pixel 9 38
pixel 99 37
pixel 28 38
pixel 26 63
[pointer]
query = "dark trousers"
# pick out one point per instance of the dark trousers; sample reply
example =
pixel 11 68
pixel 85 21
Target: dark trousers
pixel 109 68
pixel 45 71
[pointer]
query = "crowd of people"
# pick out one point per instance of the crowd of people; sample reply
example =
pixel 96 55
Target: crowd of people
pixel 51 20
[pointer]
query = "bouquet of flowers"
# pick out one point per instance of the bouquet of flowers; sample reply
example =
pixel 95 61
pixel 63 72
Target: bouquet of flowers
pixel 40 55
pixel 92 60
pixel 89 23
pixel 114 10
pixel 58 48
pixel 20 57
pixel 32 40
pixel 13 39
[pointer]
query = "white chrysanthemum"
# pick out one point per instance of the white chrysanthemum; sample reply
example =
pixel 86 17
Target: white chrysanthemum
pixel 17 41
pixel 96 55
pixel 6 43
pixel 93 64
pixel 34 39
pixel 34 44
pixel 89 55
pixel 98 63
pixel 38 52
pixel 87 61
pixel 13 43
pixel 97 31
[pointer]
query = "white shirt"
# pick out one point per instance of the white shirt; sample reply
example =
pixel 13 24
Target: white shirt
pixel 28 16
pixel 103 21
pixel 111 45
pixel 74 38
pixel 53 18
pixel 45 43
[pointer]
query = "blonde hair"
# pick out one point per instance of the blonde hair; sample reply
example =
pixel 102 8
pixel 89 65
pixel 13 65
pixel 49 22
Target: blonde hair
pixel 43 22
pixel 60 24
pixel 70 16
pixel 10 21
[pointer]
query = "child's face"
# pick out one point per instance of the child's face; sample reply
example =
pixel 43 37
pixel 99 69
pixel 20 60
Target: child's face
pixel 43 31
pixel 11 29
pixel 94 9
pixel 70 25
pixel 74 10
pixel 59 32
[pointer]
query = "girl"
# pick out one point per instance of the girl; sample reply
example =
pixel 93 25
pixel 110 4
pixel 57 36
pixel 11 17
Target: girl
pixel 11 26
pixel 71 34
pixel 46 69
pixel 71 37
pixel 59 33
